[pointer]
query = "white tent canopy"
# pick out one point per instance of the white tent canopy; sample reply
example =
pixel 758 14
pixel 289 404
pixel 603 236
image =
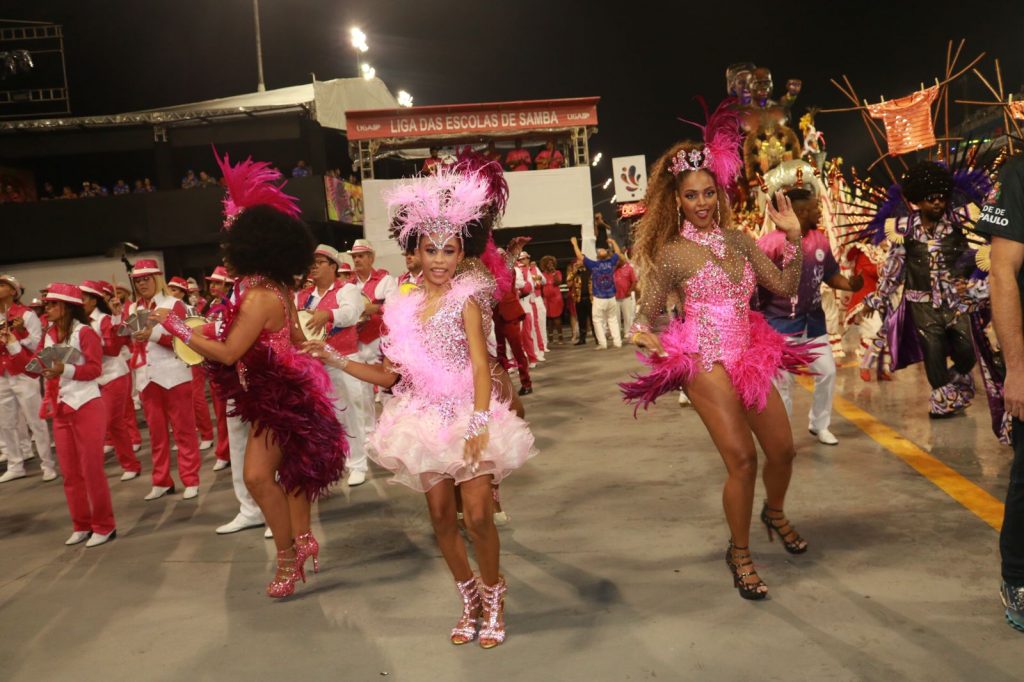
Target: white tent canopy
pixel 327 100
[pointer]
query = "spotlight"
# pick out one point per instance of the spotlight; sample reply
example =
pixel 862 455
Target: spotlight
pixel 368 71
pixel 404 99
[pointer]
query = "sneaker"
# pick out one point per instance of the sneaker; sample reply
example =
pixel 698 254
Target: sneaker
pixel 174 448
pixel 205 444
pixel 129 475
pixel 237 524
pixel 191 492
pixel 500 518
pixel 526 390
pixel 825 436
pixel 221 464
pixel 268 534
pixel 136 447
pixel 356 478
pixel 1013 602
pixel 49 475
pixel 77 537
pixel 602 346
pixel 98 539
pixel 157 492
pixel 11 476
pixel 108 449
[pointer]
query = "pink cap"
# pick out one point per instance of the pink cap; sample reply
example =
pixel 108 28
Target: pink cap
pixel 345 266
pixel 106 287
pixel 178 283
pixel 92 287
pixel 66 293
pixel 145 268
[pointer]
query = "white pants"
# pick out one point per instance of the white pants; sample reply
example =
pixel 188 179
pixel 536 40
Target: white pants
pixel 238 437
pixel 348 392
pixel 542 323
pixel 364 404
pixel 627 311
pixel 606 311
pixel 824 369
pixel 20 394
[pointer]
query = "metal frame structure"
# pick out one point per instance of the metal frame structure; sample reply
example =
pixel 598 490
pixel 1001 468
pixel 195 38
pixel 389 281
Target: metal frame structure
pixel 22 33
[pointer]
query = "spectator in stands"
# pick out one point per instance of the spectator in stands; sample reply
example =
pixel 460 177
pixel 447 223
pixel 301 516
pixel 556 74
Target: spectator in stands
pixel 87 190
pixel 147 185
pixel 549 157
pixel 432 162
pixel 48 192
pixel 138 189
pixel 517 159
pixel 67 193
pixel 11 194
pixel 99 190
pixel 206 180
pixel 301 170
pixel 121 187
pixel 602 279
pixel 492 153
pixel 190 181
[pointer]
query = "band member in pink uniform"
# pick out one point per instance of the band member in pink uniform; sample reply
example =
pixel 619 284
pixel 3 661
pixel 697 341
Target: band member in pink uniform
pixel 296 448
pixel 80 417
pixel 446 427
pixel 722 354
pixel 337 307
pixel 218 284
pixel 179 290
pixel 165 387
pixel 114 381
pixel 19 393
pixel 120 304
pixel 377 286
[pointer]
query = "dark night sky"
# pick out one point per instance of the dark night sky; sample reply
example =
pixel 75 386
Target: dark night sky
pixel 645 59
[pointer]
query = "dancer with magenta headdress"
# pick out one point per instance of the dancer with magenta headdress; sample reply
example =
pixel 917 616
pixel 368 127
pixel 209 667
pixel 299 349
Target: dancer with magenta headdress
pixel 296 448
pixel 446 427
pixel 721 353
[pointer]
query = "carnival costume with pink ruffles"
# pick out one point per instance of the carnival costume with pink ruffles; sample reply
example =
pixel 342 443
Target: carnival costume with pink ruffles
pixel 714 274
pixel 419 436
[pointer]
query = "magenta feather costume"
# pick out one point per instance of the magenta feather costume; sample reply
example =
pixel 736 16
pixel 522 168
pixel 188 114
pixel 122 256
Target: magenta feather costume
pixel 419 435
pixel 274 386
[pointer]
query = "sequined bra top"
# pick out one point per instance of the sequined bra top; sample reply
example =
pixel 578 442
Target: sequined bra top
pixel 279 341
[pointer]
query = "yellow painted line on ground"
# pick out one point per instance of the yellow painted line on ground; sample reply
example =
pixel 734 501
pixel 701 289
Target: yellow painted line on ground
pixel 975 499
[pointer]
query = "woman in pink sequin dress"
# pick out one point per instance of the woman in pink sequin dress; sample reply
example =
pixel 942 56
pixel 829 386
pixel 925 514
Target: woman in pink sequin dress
pixel 446 426
pixel 721 353
pixel 296 448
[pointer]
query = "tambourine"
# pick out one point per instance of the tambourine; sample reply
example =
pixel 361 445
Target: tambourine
pixel 304 317
pixel 184 353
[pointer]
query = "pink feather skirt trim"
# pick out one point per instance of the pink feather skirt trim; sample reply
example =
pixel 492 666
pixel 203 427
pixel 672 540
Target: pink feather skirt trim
pixel 411 442
pixel 751 370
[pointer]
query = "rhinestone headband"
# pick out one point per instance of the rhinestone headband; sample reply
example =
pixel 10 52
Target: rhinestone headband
pixel 696 159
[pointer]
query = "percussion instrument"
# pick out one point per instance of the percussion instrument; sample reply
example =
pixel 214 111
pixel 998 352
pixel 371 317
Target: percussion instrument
pixel 304 317
pixel 184 353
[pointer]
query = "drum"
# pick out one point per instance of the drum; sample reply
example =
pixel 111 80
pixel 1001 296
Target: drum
pixel 304 317
pixel 186 354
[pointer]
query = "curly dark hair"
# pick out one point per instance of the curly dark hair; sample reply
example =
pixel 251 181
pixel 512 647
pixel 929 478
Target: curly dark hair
pixel 925 179
pixel 264 241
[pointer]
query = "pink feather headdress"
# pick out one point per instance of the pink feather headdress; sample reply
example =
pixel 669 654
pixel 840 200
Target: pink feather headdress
pixel 440 205
pixel 253 183
pixel 722 140
pixel 469 161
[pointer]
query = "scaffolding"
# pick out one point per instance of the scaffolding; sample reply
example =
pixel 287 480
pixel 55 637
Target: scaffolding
pixel 42 91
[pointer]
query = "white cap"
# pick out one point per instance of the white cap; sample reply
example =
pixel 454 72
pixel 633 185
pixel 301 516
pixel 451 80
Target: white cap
pixel 328 251
pixel 361 246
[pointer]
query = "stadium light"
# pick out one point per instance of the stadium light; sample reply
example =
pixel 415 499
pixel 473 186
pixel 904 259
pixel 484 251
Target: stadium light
pixel 606 183
pixel 404 99
pixel 368 71
pixel 614 198
pixel 358 39
pixel 597 160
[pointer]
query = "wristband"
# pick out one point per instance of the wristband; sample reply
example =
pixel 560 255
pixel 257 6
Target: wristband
pixel 177 328
pixel 477 424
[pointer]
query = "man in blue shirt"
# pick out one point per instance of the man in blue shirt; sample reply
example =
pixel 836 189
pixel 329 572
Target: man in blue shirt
pixel 605 309
pixel 801 317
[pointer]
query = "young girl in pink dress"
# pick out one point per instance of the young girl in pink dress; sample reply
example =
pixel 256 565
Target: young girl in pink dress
pixel 721 353
pixel 446 427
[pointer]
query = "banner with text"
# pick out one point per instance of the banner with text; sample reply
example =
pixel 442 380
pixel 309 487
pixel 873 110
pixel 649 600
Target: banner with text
pixel 630 173
pixel 504 117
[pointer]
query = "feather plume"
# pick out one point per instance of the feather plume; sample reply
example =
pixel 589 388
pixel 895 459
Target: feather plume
pixel 253 183
pixel 444 203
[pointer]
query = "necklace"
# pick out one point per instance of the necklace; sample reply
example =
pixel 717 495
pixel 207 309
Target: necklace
pixel 711 238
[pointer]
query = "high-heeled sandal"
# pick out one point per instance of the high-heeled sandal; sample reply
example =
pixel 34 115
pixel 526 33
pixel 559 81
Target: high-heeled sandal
pixel 283 584
pixel 791 540
pixel 306 546
pixel 465 630
pixel 493 613
pixel 737 559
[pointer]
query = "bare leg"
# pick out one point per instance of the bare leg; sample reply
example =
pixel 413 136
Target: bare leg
pixel 262 459
pixel 441 504
pixel 719 407
pixel 774 434
pixel 299 513
pixel 478 513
